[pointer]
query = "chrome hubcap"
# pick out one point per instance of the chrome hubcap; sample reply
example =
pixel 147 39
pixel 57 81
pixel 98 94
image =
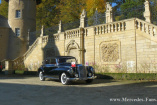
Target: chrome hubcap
pixel 64 78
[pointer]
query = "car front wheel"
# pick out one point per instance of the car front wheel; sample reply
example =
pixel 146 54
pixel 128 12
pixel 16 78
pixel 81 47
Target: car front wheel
pixel 41 76
pixel 64 79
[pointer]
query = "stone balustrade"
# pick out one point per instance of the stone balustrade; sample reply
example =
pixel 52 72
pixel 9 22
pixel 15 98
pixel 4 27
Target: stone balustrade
pixel 146 27
pixel 110 27
pixel 18 63
pixel 48 38
pixel 72 33
pixel 31 48
pixel 45 39
pixel 56 37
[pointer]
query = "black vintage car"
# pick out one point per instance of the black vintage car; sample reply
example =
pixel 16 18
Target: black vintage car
pixel 65 69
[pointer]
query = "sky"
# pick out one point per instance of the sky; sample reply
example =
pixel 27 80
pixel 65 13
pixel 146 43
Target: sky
pixel 0 1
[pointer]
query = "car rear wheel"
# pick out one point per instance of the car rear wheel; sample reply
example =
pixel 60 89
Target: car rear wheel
pixel 41 76
pixel 64 79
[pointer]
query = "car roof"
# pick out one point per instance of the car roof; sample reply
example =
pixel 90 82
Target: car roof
pixel 60 57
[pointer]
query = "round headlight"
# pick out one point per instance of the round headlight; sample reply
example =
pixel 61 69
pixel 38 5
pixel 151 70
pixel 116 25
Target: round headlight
pixel 70 71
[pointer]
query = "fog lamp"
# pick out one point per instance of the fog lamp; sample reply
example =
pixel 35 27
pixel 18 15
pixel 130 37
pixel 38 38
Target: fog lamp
pixel 90 74
pixel 76 75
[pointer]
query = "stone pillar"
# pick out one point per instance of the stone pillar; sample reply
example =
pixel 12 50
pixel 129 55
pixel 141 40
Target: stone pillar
pixel 28 39
pixel 147 12
pixel 83 19
pixel 60 27
pixel 42 31
pixel 82 49
pixel 9 67
pixel 109 17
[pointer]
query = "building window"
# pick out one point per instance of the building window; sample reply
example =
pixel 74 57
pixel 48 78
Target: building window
pixel 17 31
pixel 18 14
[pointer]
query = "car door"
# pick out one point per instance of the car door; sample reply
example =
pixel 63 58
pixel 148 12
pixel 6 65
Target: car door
pixel 53 71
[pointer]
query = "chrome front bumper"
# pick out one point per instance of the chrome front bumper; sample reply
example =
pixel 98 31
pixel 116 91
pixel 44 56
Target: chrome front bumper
pixel 76 79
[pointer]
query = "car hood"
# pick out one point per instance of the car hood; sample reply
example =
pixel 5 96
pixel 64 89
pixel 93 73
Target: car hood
pixel 69 65
pixel 61 65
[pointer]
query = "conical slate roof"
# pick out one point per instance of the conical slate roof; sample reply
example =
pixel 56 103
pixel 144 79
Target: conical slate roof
pixel 4 22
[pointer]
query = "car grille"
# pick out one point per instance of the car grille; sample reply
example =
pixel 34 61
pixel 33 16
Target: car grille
pixel 82 72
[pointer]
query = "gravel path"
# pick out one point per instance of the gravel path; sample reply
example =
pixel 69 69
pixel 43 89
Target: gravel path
pixel 29 90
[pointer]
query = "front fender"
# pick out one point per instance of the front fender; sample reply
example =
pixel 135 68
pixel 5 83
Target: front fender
pixel 65 70
pixel 90 69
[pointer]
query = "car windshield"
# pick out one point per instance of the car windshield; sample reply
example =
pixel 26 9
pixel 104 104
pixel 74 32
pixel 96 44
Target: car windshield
pixel 66 60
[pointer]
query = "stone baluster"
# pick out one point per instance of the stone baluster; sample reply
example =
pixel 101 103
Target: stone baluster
pixel 111 27
pixel 104 29
pixel 122 27
pixel 154 31
pixel 142 25
pixel 116 27
pixel 146 28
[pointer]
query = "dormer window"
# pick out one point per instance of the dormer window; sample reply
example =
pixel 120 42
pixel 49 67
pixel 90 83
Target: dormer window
pixel 18 14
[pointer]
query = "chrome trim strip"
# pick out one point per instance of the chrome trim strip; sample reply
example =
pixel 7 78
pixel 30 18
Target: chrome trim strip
pixel 76 79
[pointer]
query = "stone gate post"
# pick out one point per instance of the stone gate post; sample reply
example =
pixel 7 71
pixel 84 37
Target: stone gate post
pixel 83 19
pixel 82 49
pixel 147 11
pixel 60 27
pixel 109 17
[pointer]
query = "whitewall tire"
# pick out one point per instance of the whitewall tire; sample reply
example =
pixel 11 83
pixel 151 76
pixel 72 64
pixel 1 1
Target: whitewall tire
pixel 64 79
pixel 41 76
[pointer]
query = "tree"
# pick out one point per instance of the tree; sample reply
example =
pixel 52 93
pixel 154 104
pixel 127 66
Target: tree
pixel 47 13
pixel 70 10
pixel 153 8
pixel 4 8
pixel 129 9
pixel 91 6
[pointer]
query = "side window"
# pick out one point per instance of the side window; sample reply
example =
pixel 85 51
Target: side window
pixel 18 14
pixel 50 61
pixel 17 32
pixel 53 61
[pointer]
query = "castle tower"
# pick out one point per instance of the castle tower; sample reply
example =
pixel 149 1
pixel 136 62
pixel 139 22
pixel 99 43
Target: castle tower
pixel 21 18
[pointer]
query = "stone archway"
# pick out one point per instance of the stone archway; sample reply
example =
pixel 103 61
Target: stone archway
pixel 73 49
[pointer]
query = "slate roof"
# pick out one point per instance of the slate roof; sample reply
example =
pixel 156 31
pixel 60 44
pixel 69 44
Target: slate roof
pixel 4 22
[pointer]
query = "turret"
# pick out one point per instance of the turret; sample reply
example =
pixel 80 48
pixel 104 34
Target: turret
pixel 21 18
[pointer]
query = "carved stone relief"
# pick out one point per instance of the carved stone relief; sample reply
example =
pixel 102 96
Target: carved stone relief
pixel 72 49
pixel 110 52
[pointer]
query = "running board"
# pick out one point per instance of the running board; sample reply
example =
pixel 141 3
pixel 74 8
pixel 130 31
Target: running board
pixel 50 77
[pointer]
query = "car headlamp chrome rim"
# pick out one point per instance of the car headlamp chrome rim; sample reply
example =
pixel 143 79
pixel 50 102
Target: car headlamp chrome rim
pixel 71 71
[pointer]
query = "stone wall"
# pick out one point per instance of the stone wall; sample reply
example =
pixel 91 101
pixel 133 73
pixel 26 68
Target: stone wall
pixel 122 46
pixel 4 36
